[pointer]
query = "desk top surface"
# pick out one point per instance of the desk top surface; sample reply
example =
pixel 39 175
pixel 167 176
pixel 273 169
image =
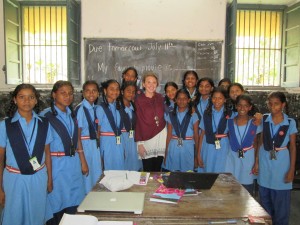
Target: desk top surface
pixel 226 200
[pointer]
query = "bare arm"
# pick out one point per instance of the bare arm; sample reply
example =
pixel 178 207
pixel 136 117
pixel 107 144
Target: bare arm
pixel 2 194
pixel 200 162
pixel 84 165
pixel 196 140
pixel 290 174
pixel 48 163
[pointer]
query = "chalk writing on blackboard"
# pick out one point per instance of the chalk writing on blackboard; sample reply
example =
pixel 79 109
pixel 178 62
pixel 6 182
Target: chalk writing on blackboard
pixel 106 58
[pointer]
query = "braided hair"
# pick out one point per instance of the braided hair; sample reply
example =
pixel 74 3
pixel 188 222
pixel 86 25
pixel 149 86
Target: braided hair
pixel 249 100
pixel 198 95
pixel 123 87
pixel 104 86
pixel 169 84
pixel 12 108
pixel 227 110
pixel 282 98
pixel 190 107
pixel 90 82
pixel 56 86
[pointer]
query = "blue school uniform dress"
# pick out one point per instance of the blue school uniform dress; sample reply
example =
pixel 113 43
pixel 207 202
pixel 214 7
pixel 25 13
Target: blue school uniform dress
pixel 180 155
pixel 25 194
pixel 132 161
pixel 87 121
pixel 201 107
pixel 111 149
pixel 241 156
pixel 68 184
pixel 215 127
pixel 274 192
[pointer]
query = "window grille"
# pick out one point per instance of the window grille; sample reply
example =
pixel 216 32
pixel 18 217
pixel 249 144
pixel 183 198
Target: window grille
pixel 258 47
pixel 44 30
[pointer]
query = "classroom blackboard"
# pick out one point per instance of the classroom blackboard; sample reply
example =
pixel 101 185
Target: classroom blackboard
pixel 106 58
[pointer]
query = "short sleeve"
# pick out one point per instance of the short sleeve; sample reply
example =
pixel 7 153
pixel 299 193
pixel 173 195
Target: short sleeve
pixel 293 129
pixel 195 118
pixel 100 115
pixel 3 135
pixel 49 138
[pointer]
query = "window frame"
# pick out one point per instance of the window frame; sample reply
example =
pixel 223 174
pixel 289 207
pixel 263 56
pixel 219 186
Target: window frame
pixel 73 51
pixel 232 39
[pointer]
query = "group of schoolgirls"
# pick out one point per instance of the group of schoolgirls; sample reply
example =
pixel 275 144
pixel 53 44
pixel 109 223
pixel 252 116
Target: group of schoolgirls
pixel 49 162
pixel 233 137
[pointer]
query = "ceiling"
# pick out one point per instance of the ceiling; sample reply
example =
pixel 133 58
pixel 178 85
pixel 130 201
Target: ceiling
pixel 268 2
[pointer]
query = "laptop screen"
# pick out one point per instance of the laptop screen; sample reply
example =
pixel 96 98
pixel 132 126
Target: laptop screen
pixel 185 180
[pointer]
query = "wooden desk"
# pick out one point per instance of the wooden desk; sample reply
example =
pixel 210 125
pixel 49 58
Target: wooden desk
pixel 226 200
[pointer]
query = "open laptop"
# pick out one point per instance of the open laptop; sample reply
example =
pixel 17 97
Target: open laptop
pixel 185 180
pixel 113 202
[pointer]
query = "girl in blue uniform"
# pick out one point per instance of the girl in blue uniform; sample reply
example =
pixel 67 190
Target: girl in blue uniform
pixel 25 139
pixel 213 140
pixel 182 135
pixel 88 133
pixel 68 164
pixel 110 126
pixel 170 92
pixel 276 159
pixel 243 145
pixel 189 83
pixel 204 86
pixel 128 91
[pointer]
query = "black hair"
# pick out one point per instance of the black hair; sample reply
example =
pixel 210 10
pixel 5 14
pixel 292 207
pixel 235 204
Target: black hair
pixel 236 84
pixel 89 82
pixel 282 98
pixel 231 101
pixel 249 100
pixel 123 87
pixel 198 95
pixel 126 70
pixel 13 107
pixel 227 111
pixel 183 91
pixel 188 73
pixel 169 84
pixel 104 86
pixel 130 68
pixel 58 84
pixel 224 80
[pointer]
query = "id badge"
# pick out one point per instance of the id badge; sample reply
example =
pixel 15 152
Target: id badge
pixel 34 163
pixel 218 144
pixel 131 134
pixel 98 142
pixel 273 155
pixel 241 153
pixel 72 150
pixel 180 142
pixel 118 140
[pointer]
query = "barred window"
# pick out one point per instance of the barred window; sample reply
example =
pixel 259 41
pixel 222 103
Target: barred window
pixel 258 47
pixel 44 43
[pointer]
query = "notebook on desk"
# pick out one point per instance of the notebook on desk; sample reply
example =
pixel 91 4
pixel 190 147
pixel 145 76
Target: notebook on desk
pixel 186 180
pixel 113 202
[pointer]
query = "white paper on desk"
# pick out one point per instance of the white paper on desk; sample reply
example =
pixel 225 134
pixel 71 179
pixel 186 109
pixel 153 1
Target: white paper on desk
pixel 88 220
pixel 132 176
pixel 78 220
pixel 115 183
pixel 115 223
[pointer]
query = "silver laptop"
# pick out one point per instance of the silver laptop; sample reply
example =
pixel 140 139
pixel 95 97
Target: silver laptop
pixel 113 202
